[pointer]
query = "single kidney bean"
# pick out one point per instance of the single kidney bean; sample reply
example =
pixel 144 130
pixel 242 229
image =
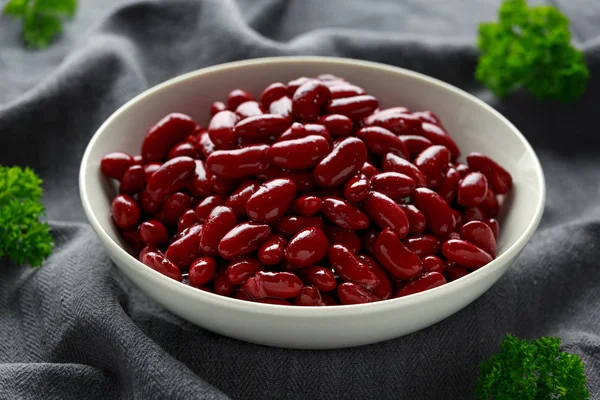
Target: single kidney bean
pixel 449 186
pixel 298 131
pixel 260 126
pixel 386 213
pixel 452 271
pixel 242 268
pixel 432 264
pixel 308 100
pixel 345 89
pixel 160 263
pixel 271 200
pixel 204 144
pixel 169 178
pixel 239 163
pixel 289 225
pixel 394 163
pixel 490 204
pixel 322 278
pixel 344 161
pixel 172 129
pixel 132 237
pixel 238 199
pixel 200 185
pixel 282 285
pixel 202 271
pixel 349 268
pixel 465 254
pixel 154 233
pixel 221 284
pixel 494 226
pixel 282 107
pixel 307 205
pixel 349 238
pixel 307 247
pixel 416 219
pixel 204 208
pixel 271 251
pixel 150 169
pixel 369 238
pixel 472 189
pixel 183 149
pixel 368 170
pixel 244 239
pixel 356 188
pixel 474 214
pixel 428 280
pixel 133 181
pixel 273 92
pixel 217 107
pixel 383 289
pixel 298 153
pixel 344 214
pixel 220 221
pixel 148 249
pixel 237 97
pixel 309 296
pixel 125 211
pixel 480 235
pixel 423 245
pixel 462 169
pixel 393 184
pixel 221 130
pixel 187 219
pixel 381 141
pixel 249 109
pixel 222 185
pixel 338 125
pixel 437 135
pixel 398 122
pixel 432 162
pixel 174 207
pixel 115 164
pixel 438 213
pixel 415 144
pixel 395 257
pixel 498 177
pixel 355 107
pixel 183 251
pixel 352 293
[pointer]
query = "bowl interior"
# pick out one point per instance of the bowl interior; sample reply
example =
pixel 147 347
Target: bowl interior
pixel 473 125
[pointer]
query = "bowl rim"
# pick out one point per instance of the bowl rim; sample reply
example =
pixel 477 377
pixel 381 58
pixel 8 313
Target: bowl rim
pixel 341 310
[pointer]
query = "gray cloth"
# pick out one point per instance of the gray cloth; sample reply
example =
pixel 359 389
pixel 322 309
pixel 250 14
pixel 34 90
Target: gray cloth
pixel 78 329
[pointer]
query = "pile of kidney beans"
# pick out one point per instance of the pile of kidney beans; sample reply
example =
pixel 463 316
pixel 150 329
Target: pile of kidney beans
pixel 311 195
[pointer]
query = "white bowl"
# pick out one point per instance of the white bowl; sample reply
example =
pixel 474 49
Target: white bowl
pixel 474 125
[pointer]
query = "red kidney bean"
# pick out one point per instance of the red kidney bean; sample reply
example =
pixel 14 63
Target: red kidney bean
pixel 304 180
pixel 453 272
pixel 345 89
pixel 481 235
pixel 307 205
pixel 114 165
pixel 395 257
pixel 148 249
pixel 415 144
pixel 356 188
pixel 271 200
pixel 133 181
pixel 169 178
pixel 423 245
pixel 432 162
pixel 452 235
pixel 343 162
pixel 349 238
pixel 221 284
pixel 182 149
pixel 271 252
pixel 150 169
pixel 322 278
pixel 449 186
pixel 237 97
pixel 427 116
pixel 260 126
pixel 369 239
pixel 153 233
pixel 383 288
pixel 416 219
pixel 428 280
pixel 474 214
pixel 222 185
pixel 398 122
pixel 172 129
pixel 381 141
pixel 307 247
pixel 309 296
pixel 498 177
pixel 132 237
pixel 472 189
pixel 458 221
pixel 239 163
pixel 220 221
pixel 273 92
pixel 338 125
pixel 368 170
pixel 221 130
pixel 202 271
pixel 432 264
pixel 204 208
pixel 352 293
pixel 174 207
pixel 386 213
pixel 282 107
pixel 249 109
pixel 466 254
pixel 244 239
pixel 298 131
pixel 289 225
pixel 296 83
pixel 183 251
pixel 217 107
pixel 160 263
pixel 494 226
pixel 242 268
pixel 440 220
pixel 394 163
pixel 187 219
pixel 393 184
pixel 355 108
pixel 437 135
pixel 125 211
pixel 298 153
pixel 344 214
pixel 308 100
pixel 462 169
pixel 238 199
pixel 349 268
pixel 204 144
pixel 490 204
pixel 200 184
pixel 282 285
